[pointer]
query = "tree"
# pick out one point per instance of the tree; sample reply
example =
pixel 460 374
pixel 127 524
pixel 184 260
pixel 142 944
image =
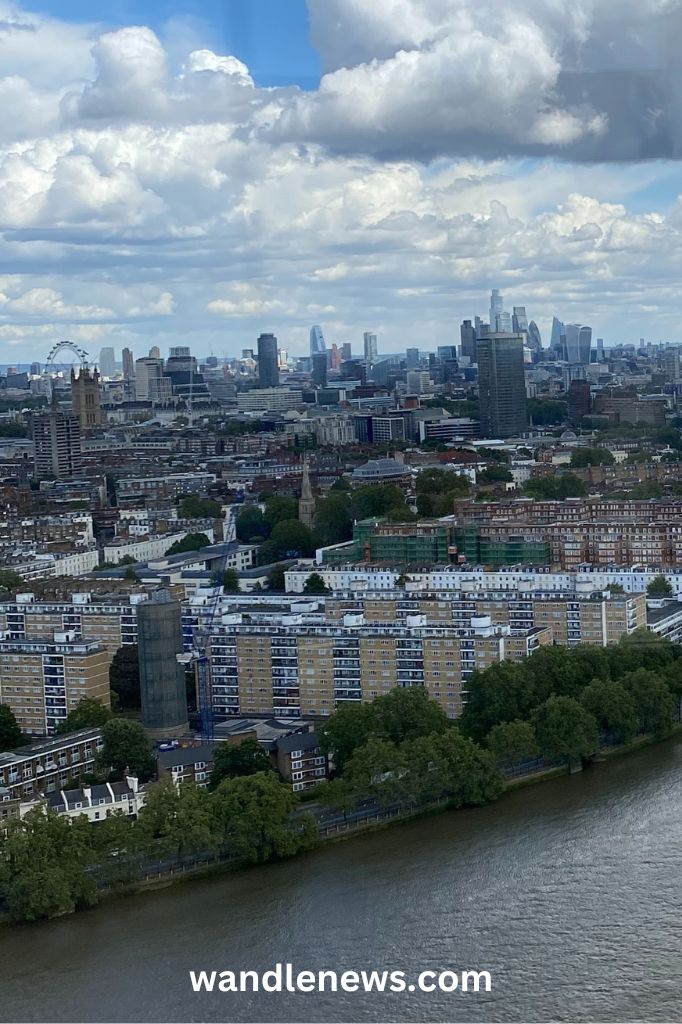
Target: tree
pixel 230 582
pixel 437 490
pixel 194 507
pixel 42 865
pixel 375 500
pixel 544 411
pixel 124 677
pixel 377 768
pixel 176 819
pixel 10 580
pixel 511 742
pixel 563 670
pixel 448 765
pixel 616 588
pixel 231 761
pixel 343 732
pixel 253 816
pixel 494 474
pixel 251 526
pixel 653 700
pixel 279 509
pixel 126 748
pixel 315 585
pixel 11 735
pixel 405 713
pixel 87 714
pixel 333 519
pixel 565 729
pixel 582 457
pixel 502 693
pixel 555 488
pixel 290 538
pixel 191 542
pixel 276 580
pixel 659 587
pixel 640 649
pixel 612 708
pixel 337 794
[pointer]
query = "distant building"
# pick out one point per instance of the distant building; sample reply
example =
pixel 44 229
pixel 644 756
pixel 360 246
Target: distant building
pixel 128 364
pixel 496 308
pixel 579 400
pixel 150 385
pixel 319 374
pixel 306 504
pixel 578 343
pixel 56 443
pixel 412 358
pixel 446 352
pixel 107 362
pixel 268 365
pixel 317 342
pixel 371 347
pixel 467 333
pixel 534 337
pixel 502 385
pixel 85 398
pixel 346 352
pixel 519 320
pixel 155 352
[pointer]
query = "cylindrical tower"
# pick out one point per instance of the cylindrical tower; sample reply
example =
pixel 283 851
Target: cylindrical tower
pixel 162 678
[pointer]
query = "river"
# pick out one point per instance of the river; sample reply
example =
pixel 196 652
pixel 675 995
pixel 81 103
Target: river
pixel 568 892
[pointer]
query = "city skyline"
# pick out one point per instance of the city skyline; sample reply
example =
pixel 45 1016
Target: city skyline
pixel 173 176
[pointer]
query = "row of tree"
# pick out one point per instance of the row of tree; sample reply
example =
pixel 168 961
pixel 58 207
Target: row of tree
pixel 50 865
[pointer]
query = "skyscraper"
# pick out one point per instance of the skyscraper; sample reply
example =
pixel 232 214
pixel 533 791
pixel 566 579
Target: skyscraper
pixel 534 337
pixel 155 352
pixel 519 320
pixel 334 357
pixel 128 364
pixel 268 362
pixel 162 678
pixel 149 380
pixel 496 307
pixel 346 352
pixel 556 342
pixel 371 347
pixel 501 385
pixel 107 362
pixel 578 343
pixel 319 365
pixel 412 358
pixel 503 323
pixel 467 334
pixel 317 343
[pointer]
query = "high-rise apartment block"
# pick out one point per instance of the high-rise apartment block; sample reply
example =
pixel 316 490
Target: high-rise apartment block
pixel 107 362
pixel 56 443
pixel 502 385
pixel 371 347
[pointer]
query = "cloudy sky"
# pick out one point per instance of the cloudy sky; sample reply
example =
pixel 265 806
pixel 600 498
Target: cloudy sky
pixel 198 171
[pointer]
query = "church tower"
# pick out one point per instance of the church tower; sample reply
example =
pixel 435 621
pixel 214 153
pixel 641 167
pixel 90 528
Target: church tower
pixel 85 398
pixel 306 504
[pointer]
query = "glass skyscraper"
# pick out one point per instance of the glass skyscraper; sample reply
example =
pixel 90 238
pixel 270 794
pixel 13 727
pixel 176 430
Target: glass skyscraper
pixel 501 385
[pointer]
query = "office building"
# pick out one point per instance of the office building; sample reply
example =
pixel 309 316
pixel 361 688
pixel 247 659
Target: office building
pixel 150 383
pixel 317 342
pixel 557 341
pixel 671 364
pixel 412 358
pixel 371 348
pixel 43 680
pixel 269 399
pixel 346 352
pixel 128 364
pixel 85 398
pixel 502 385
pixel 446 352
pixel 418 382
pixel 162 676
pixel 496 308
pixel 534 338
pixel 519 320
pixel 503 323
pixel 268 365
pixel 578 343
pixel 107 362
pixel 579 400
pixel 56 439
pixel 155 352
pixel 319 369
pixel 467 333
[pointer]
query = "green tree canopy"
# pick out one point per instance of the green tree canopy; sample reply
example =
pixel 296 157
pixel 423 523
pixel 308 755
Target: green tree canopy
pixel 612 707
pixel 10 580
pixel 87 714
pixel 653 700
pixel 279 509
pixel 11 735
pixel 124 677
pixel 126 747
pixel 231 761
pixel 191 542
pixel 375 500
pixel 511 742
pixel 564 729
pixel 333 519
pixel 176 819
pixel 276 579
pixel 659 587
pixel 194 507
pixel 555 488
pixel 494 474
pixel 290 538
pixel 437 490
pixel 502 693
pixel 315 585
pixel 252 814
pixel 582 457
pixel 230 581
pixel 251 526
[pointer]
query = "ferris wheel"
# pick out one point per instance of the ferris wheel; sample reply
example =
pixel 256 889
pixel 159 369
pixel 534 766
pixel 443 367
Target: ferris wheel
pixel 54 365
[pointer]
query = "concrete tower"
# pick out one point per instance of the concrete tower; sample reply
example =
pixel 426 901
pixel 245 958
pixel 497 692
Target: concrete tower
pixel 162 678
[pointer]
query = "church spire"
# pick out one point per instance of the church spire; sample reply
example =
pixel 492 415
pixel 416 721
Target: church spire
pixel 306 504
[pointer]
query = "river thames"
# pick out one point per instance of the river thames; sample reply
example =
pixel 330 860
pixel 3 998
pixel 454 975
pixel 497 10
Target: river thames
pixel 569 893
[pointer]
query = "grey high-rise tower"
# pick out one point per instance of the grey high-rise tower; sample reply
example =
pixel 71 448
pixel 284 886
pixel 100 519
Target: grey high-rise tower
pixel 268 367
pixel 317 342
pixel 371 348
pixel 162 678
pixel 501 385
pixel 467 335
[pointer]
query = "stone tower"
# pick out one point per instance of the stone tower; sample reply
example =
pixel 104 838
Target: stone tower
pixel 85 398
pixel 306 504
